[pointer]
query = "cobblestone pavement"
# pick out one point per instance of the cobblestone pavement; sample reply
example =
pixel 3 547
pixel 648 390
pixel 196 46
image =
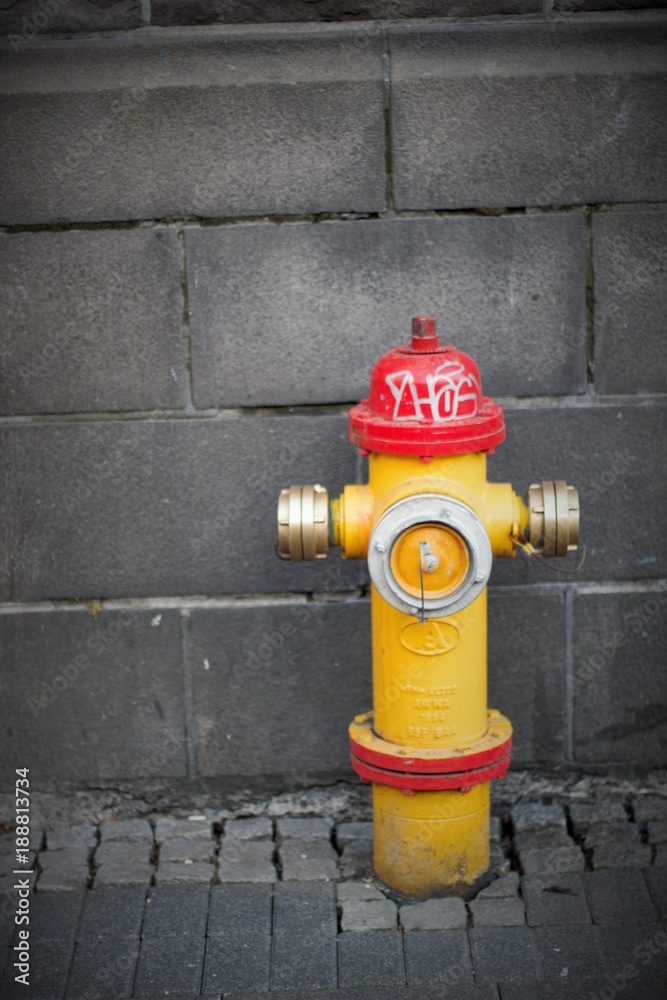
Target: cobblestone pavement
pixel 185 907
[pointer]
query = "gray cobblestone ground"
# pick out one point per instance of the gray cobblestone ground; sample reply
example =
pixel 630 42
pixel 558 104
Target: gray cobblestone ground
pixel 184 907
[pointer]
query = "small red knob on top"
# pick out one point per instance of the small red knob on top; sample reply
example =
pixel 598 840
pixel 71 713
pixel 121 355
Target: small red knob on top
pixel 424 337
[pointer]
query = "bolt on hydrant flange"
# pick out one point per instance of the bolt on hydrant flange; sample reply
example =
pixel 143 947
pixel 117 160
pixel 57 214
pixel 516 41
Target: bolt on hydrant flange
pixel 429 524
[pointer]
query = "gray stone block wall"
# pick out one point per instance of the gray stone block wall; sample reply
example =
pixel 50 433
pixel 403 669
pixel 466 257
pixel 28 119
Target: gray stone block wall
pixel 209 235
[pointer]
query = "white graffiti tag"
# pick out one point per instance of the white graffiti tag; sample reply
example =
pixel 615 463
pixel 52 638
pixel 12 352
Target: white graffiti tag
pixel 452 394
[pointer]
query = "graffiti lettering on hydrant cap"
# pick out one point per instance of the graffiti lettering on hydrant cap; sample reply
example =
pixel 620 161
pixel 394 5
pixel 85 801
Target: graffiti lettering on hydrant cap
pixel 453 394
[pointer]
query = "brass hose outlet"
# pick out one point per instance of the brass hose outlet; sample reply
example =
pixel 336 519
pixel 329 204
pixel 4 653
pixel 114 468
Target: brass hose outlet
pixel 553 517
pixel 303 523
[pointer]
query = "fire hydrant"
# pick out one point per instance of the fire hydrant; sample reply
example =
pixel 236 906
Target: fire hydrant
pixel 429 523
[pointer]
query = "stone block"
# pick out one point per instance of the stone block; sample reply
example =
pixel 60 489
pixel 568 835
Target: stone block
pixel 128 132
pixel 620 688
pixel 438 957
pixel 622 832
pixel 246 861
pixel 187 850
pixel 197 829
pixel 54 916
pixel 629 251
pixel 270 663
pixel 434 915
pixel 551 861
pixel 622 854
pixel 241 964
pixel 368 915
pixel 504 954
pixel 548 836
pixel 123 863
pixel 657 831
pixel 540 126
pixel 533 816
pixel 135 830
pixel 93 698
pixel 252 828
pixel 505 887
pixel 172 967
pixel 105 965
pixel 89 491
pixel 306 828
pixel 370 958
pixel 304 936
pixel 237 910
pixel 356 861
pixel 305 860
pixel 531 630
pixel 93 321
pixel 649 807
pixel 185 872
pixel 559 899
pixel 110 912
pixel 585 814
pixel 63 870
pixel 348 833
pixel 569 952
pixel 498 912
pixel 617 457
pixel 619 897
pixel 358 892
pixel 327 301
pixel 26 20
pixel 81 836
pixel 174 911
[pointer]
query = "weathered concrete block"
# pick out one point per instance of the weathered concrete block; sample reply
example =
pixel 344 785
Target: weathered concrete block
pixel 198 829
pixel 92 321
pixel 246 861
pixel 188 872
pixel 324 302
pixel 521 632
pixel 503 912
pixel 647 807
pixel 63 870
pixel 555 899
pixel 629 257
pixel 186 849
pixel 517 114
pixel 162 507
pixel 356 861
pixel 434 915
pixel 502 888
pixel 347 833
pixel 123 863
pixel 306 828
pixel 605 810
pixel 617 458
pixel 550 862
pixel 252 828
pixel 620 690
pixel 102 697
pixel 368 915
pixel 202 124
pixel 317 678
pixel 306 860
pixel 126 829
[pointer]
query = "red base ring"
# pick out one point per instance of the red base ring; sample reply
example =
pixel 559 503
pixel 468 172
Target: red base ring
pixel 420 782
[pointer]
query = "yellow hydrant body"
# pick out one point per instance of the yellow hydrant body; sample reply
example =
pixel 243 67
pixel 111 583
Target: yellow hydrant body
pixel 429 523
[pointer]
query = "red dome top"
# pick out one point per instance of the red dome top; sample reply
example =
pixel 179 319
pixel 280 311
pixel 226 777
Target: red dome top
pixel 426 400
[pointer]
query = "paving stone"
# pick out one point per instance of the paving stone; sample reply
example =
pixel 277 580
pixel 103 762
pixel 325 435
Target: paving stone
pixel 657 831
pixel 249 677
pixel 433 915
pixel 572 989
pixel 109 912
pixel 648 807
pixel 253 828
pixel 208 500
pixel 134 830
pixel 497 912
pixel 619 646
pixel 656 879
pixel 308 828
pixel 105 965
pixel 169 965
pixel 569 952
pixel 619 897
pixel 176 911
pixel 642 945
pixel 246 861
pixel 190 849
pixel 123 863
pixel 240 963
pixel 528 816
pixel 368 915
pixel 549 837
pixel 560 899
pixel 623 854
pixel 240 909
pixel 660 855
pixel 199 829
pixel 370 958
pixel 245 274
pixel 630 282
pixel 358 892
pixel 348 833
pixel 79 835
pixel 356 860
pixel 549 862
pixel 240 98
pixel 438 957
pixel 304 936
pixel 503 954
pixel 111 683
pixel 458 143
pixel 189 872
pixel 507 886
pixel 95 320
pixel 49 966
pixel 308 859
pixel 585 814
pixel 63 870
pixel 54 915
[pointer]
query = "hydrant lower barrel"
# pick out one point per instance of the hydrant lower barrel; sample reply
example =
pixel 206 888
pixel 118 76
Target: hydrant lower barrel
pixel 429 523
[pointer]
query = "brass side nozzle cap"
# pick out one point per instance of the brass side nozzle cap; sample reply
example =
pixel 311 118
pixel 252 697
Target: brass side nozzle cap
pixel 553 517
pixel 303 523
